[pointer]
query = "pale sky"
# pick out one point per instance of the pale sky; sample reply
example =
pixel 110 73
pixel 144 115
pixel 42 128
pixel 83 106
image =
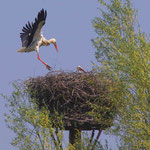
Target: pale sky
pixel 69 22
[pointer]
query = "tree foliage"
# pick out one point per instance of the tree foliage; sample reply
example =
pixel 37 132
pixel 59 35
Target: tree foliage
pixel 123 52
pixel 33 128
pixel 40 129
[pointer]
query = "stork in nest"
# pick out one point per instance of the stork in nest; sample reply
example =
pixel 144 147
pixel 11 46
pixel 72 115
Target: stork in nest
pixel 80 69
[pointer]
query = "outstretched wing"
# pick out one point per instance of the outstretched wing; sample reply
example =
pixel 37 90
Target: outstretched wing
pixel 30 29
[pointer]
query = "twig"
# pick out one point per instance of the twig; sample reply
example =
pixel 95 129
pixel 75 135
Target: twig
pixel 91 139
pixel 92 135
pixel 96 140
pixel 54 140
pixel 60 144
pixel 38 136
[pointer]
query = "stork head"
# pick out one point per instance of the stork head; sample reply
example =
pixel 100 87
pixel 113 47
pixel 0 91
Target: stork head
pixel 54 42
pixel 80 69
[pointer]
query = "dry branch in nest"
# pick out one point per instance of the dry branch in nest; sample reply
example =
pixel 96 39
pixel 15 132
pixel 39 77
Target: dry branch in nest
pixel 83 98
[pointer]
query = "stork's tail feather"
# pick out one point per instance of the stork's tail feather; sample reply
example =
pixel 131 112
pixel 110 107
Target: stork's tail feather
pixel 22 50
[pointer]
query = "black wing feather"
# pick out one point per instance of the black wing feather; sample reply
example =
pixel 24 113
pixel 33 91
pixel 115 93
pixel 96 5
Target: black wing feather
pixel 29 29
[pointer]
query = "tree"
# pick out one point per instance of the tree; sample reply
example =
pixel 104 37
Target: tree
pixel 38 128
pixel 123 52
pixel 33 128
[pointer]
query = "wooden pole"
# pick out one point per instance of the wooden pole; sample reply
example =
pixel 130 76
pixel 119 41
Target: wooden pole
pixel 74 136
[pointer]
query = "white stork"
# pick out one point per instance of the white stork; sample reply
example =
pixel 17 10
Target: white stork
pixel 80 69
pixel 32 37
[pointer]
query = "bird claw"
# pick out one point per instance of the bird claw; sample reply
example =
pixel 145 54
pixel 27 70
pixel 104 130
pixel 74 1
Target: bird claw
pixel 48 67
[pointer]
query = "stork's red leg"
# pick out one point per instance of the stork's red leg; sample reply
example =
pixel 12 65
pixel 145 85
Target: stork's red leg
pixel 47 66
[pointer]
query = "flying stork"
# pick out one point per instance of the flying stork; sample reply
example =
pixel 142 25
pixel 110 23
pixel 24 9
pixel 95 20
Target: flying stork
pixel 32 37
pixel 80 69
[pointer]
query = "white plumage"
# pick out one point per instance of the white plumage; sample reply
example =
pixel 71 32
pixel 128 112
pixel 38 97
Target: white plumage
pixel 80 69
pixel 32 37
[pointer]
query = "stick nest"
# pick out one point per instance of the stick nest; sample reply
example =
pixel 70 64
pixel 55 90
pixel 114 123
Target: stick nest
pixel 84 99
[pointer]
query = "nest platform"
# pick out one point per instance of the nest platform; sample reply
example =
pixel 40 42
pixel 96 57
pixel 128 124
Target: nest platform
pixel 76 96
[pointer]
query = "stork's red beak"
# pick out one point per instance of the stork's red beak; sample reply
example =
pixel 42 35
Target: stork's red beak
pixel 82 70
pixel 56 47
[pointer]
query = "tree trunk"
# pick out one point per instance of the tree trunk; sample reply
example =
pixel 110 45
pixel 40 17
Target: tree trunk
pixel 75 136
